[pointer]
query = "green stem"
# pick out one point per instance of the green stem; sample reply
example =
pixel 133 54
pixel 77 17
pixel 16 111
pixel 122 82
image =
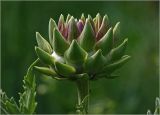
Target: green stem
pixel 83 96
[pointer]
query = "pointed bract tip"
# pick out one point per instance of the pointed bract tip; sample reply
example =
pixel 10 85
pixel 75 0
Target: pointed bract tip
pixel 110 29
pixel 74 42
pixel 82 15
pixel 126 40
pixel 71 19
pixel 89 16
pixel 105 17
pixel 51 20
pixel 118 23
pixel 61 18
pixel 37 33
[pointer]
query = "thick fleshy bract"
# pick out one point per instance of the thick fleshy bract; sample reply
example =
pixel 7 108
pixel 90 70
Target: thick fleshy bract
pixel 82 46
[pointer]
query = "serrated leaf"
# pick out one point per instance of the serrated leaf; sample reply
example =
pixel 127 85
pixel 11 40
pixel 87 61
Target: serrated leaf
pixel 64 69
pixel 12 108
pixel 27 98
pixel 44 56
pixel 43 44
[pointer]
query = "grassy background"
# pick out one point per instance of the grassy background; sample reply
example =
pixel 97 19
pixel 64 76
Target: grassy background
pixel 133 92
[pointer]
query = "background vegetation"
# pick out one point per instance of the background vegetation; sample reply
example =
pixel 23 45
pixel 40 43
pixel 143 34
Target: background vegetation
pixel 133 92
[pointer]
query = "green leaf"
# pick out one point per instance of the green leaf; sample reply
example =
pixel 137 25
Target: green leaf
pixel 27 98
pixel 64 69
pixel 72 29
pixel 27 103
pixel 52 25
pixel 59 44
pixel 12 108
pixel 45 70
pixel 75 54
pixel 87 37
pixel 43 44
pixel 44 56
pixel 105 43
pixel 117 52
pixel 8 106
pixel 95 62
pixel 112 67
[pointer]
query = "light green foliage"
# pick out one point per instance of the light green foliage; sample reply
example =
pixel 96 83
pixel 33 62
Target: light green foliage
pixel 27 103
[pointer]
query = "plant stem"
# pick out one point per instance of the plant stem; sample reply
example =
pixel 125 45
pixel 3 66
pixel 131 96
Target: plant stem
pixel 83 95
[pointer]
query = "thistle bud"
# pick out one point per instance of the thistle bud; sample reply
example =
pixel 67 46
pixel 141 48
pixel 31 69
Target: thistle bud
pixel 81 47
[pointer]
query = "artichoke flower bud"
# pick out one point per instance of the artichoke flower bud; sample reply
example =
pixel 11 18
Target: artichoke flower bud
pixel 82 46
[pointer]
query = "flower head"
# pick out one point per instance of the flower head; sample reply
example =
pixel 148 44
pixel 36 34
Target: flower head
pixel 84 46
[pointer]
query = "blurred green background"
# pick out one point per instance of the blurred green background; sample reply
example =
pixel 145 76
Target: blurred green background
pixel 133 92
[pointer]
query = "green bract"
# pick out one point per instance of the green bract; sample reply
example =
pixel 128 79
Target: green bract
pixel 84 46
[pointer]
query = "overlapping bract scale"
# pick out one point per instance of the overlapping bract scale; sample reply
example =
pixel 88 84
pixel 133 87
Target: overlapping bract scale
pixel 85 46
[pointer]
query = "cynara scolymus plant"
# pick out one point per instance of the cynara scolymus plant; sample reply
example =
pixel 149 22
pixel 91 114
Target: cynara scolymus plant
pixel 79 50
pixel 27 103
pixel 157 108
